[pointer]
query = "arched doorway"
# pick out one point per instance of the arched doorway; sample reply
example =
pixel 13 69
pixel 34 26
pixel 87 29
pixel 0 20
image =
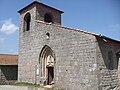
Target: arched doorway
pixel 47 65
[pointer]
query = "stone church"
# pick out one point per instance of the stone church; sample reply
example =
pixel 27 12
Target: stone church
pixel 66 58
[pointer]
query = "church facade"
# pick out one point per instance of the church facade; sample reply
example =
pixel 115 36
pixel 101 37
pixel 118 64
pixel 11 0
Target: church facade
pixel 67 58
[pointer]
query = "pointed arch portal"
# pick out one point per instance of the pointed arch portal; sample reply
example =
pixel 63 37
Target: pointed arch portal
pixel 47 64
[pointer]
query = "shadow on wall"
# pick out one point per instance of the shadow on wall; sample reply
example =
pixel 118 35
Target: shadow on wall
pixel 108 61
pixel 108 54
pixel 9 72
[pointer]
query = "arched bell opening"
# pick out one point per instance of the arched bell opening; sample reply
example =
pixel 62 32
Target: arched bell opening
pixel 48 17
pixel 27 22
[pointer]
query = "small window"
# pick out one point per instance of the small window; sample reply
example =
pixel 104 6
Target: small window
pixel 27 21
pixel 47 36
pixel 48 18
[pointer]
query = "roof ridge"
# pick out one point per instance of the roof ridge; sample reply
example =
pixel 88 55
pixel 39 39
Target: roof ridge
pixel 40 3
pixel 66 27
pixel 10 54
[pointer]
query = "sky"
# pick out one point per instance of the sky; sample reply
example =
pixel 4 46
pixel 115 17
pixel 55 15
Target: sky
pixel 97 16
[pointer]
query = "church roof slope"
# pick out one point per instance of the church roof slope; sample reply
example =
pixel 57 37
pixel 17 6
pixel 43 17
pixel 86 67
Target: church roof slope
pixel 86 32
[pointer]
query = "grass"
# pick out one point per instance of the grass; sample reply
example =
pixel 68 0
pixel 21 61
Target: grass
pixel 30 84
pixel 51 89
pixel 26 84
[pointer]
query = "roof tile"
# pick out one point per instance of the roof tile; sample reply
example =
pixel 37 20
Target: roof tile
pixel 8 59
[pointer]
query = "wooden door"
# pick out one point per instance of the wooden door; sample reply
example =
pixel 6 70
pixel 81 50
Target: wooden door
pixel 50 75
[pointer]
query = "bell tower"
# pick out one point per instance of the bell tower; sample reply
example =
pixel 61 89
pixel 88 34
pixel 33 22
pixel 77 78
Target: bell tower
pixel 28 39
pixel 38 11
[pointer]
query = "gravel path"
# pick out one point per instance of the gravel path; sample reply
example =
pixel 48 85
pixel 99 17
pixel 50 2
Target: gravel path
pixel 9 87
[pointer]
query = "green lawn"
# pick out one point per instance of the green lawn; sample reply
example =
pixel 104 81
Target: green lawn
pixel 26 84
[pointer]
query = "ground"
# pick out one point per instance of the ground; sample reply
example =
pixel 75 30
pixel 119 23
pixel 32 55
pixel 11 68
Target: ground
pixel 24 86
pixel 10 87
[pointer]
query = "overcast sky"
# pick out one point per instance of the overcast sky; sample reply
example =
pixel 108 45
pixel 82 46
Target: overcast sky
pixel 98 16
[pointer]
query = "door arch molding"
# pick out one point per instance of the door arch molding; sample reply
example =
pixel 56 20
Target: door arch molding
pixel 47 63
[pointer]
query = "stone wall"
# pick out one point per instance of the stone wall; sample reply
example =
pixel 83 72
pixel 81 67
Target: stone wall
pixel 75 54
pixel 107 76
pixel 24 46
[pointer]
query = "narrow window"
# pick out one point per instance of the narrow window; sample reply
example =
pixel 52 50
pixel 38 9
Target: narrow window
pixel 27 21
pixel 110 60
pixel 48 18
pixel 117 61
pixel 118 58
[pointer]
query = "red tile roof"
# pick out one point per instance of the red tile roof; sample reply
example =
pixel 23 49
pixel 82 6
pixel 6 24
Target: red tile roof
pixel 8 59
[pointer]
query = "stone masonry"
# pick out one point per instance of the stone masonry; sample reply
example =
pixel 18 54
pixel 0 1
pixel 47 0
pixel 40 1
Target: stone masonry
pixel 80 58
